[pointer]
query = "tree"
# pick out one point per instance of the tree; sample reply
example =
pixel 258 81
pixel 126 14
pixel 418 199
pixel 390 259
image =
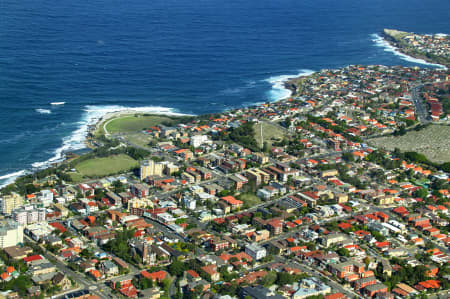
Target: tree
pixel 422 193
pixel 118 186
pixel 284 278
pixel 269 279
pixel 343 251
pixel 266 147
pixel 177 268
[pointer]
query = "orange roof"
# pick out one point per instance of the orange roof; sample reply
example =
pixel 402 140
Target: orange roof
pixel 192 273
pixel 335 296
pixel 4 275
pixel 158 275
pixel 407 186
pixel 358 154
pixel 297 221
pixel 95 273
pixel 296 248
pixel 10 269
pixel 231 200
pixel 434 284
pixel 443 191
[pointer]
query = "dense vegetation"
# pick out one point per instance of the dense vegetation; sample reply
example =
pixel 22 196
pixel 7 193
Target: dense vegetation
pixel 242 135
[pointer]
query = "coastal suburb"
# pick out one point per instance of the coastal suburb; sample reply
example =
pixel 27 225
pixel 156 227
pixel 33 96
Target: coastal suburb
pixel 340 190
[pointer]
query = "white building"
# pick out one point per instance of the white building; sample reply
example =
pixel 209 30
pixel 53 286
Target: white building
pixel 28 215
pixel 198 140
pixel 46 197
pixel 38 230
pixel 255 251
pixel 189 203
pixel 11 233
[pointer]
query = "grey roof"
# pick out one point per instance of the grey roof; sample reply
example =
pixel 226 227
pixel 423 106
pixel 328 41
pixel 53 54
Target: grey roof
pixel 259 292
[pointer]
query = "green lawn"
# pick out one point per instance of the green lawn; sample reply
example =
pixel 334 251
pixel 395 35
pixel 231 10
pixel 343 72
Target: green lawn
pixel 106 166
pixel 249 199
pixel 76 177
pixel 270 133
pixel 134 123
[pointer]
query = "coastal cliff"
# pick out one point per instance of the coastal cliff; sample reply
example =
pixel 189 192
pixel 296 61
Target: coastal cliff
pixel 396 38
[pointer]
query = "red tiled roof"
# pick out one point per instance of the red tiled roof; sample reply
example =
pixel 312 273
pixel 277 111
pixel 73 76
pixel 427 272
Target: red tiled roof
pixel 31 258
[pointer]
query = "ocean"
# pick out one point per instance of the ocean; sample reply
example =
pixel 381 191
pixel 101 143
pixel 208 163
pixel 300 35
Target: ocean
pixel 173 56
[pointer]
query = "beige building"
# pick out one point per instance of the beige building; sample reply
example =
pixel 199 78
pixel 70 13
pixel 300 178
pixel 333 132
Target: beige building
pixel 10 202
pixel 258 176
pixel 139 203
pixel 386 199
pixel 150 167
pixel 261 158
pixel 170 169
pixel 341 197
pixel 60 208
pixel 329 173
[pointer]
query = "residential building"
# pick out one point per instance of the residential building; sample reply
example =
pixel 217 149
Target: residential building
pixel 8 203
pixel 11 233
pixel 150 168
pixel 311 287
pixel 255 251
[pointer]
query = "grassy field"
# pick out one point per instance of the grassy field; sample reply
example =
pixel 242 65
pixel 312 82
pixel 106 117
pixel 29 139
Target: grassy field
pixel 140 139
pixel 249 199
pixel 433 142
pixel 76 177
pixel 134 123
pixel 270 133
pixel 105 166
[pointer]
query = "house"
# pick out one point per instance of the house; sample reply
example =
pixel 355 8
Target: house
pixel 124 285
pixel 157 276
pixel 364 282
pixel 211 270
pixel 192 275
pixel 345 269
pixel 95 274
pixel 335 238
pixel 17 252
pixel 258 292
pixel 34 291
pixel 62 281
pixel 373 289
pixel 109 268
pixel 232 202
pixel 311 287
pixel 275 226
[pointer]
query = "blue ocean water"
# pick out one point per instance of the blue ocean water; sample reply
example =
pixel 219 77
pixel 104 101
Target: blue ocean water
pixel 173 56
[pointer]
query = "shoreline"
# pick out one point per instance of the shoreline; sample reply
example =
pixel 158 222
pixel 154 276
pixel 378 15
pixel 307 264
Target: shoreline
pixel 108 113
pixel 66 151
pixel 398 47
pixel 109 116
pixel 92 125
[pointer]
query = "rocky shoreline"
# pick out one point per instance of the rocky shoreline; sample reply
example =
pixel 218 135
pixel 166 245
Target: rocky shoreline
pixel 390 36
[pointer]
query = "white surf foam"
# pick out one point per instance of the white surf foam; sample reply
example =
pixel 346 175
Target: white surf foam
pixel 279 91
pixel 11 177
pixel 43 111
pixel 92 114
pixel 57 103
pixel 381 42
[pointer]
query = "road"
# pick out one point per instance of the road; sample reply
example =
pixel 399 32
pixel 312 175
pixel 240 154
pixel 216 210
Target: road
pixel 421 108
pixel 99 288
pixel 313 272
